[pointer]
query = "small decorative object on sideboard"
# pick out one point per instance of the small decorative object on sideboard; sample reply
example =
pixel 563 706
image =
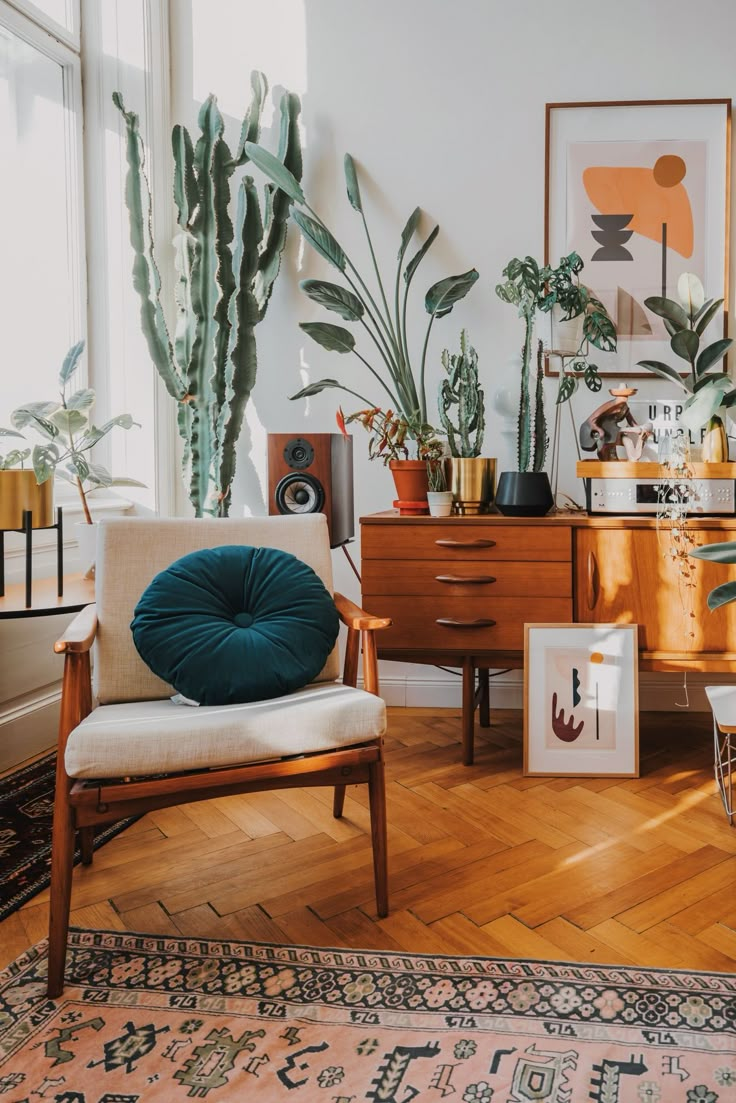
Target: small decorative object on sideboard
pixel 710 393
pixel 531 288
pixel 439 498
pixel 613 425
pixel 471 475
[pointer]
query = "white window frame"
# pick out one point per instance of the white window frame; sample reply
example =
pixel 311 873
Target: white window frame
pixel 38 17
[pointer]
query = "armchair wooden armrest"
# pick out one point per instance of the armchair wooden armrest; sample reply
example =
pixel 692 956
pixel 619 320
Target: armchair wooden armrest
pixel 357 618
pixel 80 634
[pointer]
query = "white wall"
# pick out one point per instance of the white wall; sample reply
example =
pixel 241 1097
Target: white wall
pixel 442 105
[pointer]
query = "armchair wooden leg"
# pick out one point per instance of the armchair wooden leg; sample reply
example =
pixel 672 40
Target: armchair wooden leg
pixel 377 797
pixel 62 860
pixel 338 801
pixel 86 844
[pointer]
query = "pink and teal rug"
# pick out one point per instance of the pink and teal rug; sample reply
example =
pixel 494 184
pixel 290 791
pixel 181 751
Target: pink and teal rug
pixel 162 1019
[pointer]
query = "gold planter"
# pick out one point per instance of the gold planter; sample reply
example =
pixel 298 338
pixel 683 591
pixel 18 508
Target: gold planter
pixel 472 482
pixel 715 442
pixel 19 491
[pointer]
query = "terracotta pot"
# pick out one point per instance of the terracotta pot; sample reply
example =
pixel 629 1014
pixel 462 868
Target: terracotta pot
pixel 20 491
pixel 412 484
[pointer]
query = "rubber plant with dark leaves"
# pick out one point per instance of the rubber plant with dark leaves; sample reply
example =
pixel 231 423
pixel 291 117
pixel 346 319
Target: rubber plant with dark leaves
pixel 223 290
pixel 382 319
pixel 719 553
pixel 531 289
pixel 686 321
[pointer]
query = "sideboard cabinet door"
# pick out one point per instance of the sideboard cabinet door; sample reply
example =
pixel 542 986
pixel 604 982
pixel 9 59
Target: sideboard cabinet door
pixel 629 576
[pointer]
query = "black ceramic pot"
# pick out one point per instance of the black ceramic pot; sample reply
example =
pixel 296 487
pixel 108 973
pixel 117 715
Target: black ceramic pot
pixel 524 494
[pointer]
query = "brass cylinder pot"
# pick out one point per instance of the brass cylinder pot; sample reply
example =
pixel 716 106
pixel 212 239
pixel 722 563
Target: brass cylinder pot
pixel 20 491
pixel 472 482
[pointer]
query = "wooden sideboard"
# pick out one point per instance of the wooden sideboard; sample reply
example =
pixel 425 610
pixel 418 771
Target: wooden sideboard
pixel 460 590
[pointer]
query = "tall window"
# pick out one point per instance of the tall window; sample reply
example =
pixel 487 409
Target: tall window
pixel 42 291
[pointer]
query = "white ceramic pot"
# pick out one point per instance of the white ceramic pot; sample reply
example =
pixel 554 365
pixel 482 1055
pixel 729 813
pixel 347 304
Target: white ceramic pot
pixel 440 503
pixel 86 537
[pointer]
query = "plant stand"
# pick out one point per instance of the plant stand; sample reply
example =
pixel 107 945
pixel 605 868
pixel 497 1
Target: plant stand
pixel 27 530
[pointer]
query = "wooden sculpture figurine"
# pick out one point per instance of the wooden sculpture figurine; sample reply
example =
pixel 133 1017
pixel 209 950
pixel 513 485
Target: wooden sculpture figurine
pixel 613 424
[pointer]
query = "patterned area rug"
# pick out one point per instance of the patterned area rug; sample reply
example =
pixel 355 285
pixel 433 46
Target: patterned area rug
pixel 162 1019
pixel 26 811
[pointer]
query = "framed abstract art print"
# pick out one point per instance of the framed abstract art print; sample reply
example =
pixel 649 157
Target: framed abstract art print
pixel 641 191
pixel 581 700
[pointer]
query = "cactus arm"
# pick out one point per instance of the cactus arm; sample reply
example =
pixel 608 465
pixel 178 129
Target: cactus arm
pixel 185 320
pixel 204 290
pixel 251 128
pixel 146 279
pixel 185 184
pixel 540 420
pixel 278 204
pixel 221 172
pixel 525 425
pixel 243 319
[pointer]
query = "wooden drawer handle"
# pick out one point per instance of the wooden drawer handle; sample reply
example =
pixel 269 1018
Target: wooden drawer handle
pixel 466 543
pixel 451 622
pixel 480 580
pixel 592 587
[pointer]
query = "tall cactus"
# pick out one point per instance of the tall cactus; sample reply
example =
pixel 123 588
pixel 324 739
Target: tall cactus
pixel 462 389
pixel 222 292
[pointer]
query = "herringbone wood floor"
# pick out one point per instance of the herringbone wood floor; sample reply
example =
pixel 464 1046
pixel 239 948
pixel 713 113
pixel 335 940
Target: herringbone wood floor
pixel 482 860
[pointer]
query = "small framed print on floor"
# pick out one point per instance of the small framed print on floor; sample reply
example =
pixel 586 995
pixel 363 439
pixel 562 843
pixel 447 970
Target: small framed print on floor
pixel 581 700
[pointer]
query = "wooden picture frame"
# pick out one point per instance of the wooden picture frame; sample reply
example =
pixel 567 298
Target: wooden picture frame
pixel 668 162
pixel 581 700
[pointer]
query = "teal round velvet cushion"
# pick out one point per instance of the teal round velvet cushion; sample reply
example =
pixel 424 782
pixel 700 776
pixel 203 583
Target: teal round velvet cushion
pixel 233 624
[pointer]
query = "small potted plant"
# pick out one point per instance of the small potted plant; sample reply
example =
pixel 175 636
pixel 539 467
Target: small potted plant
pixel 471 475
pixel 710 393
pixel 389 432
pixel 531 288
pixel 68 435
pixel 20 492
pixel 381 311
pixel 439 498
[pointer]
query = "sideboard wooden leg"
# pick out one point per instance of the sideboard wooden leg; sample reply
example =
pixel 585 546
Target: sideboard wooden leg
pixel 468 711
pixel 484 697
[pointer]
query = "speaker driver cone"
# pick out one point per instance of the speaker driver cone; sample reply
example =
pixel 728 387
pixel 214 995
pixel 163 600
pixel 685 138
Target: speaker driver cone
pixel 298 493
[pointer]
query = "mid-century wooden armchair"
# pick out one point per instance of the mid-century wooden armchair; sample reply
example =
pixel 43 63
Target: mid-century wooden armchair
pixel 328 734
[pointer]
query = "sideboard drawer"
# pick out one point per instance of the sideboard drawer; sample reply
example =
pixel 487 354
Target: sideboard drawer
pixel 450 541
pixel 461 623
pixel 440 578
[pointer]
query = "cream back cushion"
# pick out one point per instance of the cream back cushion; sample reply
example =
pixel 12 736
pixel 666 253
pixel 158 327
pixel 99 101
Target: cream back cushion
pixel 131 550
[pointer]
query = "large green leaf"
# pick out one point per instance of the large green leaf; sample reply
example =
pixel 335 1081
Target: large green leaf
pixel 334 297
pixel 593 380
pixel 667 308
pixel 321 385
pixel 332 338
pixel 408 232
pixel 351 183
pixel 70 362
pixel 712 354
pixel 722 595
pixel 690 293
pixel 699 409
pixel 275 170
pixel 321 240
pixel 718 553
pixel 567 388
pixel 44 459
pixel 443 295
pixel 68 421
pixel 10 433
pixel 600 331
pixel 508 292
pixel 81 400
pixel 34 414
pixel 419 256
pixel 666 372
pixel 706 315
pixel 685 344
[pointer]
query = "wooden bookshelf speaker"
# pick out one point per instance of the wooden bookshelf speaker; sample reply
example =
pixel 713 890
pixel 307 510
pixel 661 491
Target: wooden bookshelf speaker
pixel 313 474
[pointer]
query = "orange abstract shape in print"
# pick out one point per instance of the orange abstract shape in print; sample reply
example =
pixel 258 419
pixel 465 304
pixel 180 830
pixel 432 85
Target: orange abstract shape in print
pixel 652 196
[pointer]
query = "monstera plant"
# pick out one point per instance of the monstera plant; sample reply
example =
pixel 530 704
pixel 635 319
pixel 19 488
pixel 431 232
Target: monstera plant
pixel 226 275
pixel 380 312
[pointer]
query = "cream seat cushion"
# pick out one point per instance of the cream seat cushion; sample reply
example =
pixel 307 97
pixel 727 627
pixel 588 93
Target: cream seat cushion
pixel 152 737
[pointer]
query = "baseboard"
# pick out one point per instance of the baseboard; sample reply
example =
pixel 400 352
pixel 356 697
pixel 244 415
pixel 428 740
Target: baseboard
pixel 29 726
pixel 657 692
